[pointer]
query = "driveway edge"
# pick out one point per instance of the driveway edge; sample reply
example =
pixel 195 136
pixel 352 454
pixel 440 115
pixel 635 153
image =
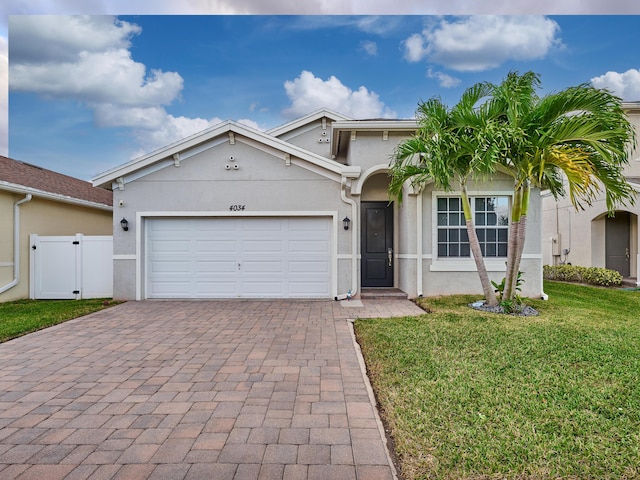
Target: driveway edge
pixel 372 398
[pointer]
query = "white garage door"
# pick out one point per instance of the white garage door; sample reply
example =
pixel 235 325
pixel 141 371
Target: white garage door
pixel 238 257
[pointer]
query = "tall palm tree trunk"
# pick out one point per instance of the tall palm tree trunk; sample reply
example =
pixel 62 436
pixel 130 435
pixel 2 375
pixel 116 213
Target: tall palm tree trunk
pixel 512 245
pixel 474 244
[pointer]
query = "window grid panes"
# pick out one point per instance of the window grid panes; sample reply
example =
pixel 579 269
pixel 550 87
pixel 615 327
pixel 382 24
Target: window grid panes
pixel 491 216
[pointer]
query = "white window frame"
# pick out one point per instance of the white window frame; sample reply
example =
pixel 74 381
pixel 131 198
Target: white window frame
pixel 462 264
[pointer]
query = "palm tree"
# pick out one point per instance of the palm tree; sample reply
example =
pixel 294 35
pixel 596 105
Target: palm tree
pixel 576 139
pixel 450 144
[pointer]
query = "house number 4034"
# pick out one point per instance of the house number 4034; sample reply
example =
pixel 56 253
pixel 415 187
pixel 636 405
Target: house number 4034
pixel 236 208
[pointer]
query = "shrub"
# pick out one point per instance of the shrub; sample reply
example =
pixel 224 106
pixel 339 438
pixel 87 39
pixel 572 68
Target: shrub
pixel 574 273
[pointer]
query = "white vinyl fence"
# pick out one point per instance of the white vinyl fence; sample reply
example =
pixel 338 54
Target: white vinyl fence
pixel 72 267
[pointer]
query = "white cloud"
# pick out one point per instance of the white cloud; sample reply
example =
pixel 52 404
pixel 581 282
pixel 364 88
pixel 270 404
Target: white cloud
pixel 445 81
pixel 84 58
pixel 53 38
pixel 625 85
pixel 168 129
pixel 88 59
pixel 309 93
pixel 482 42
pixel 370 48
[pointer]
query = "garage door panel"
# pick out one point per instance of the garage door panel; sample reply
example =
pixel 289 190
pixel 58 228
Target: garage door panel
pixel 304 289
pixel 215 246
pixel 212 266
pixel 249 267
pixel 171 246
pixel 263 246
pixel 263 288
pixel 308 246
pixel 171 289
pixel 308 266
pixel 170 267
pixel 209 289
pixel 238 257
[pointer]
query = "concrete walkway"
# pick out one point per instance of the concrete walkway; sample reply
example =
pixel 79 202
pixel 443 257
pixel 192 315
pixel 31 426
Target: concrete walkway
pixel 194 390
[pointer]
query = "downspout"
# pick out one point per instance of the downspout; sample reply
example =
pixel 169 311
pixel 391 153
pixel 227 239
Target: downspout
pixel 419 244
pixel 354 243
pixel 16 243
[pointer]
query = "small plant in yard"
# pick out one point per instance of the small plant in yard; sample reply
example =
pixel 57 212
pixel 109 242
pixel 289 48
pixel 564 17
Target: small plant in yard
pixel 26 316
pixel 470 395
pixel 510 305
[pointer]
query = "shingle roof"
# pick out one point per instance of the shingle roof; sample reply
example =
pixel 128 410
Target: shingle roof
pixel 32 177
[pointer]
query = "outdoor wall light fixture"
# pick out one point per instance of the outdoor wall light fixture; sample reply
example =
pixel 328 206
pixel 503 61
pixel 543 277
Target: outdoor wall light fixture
pixel 346 221
pixel 124 224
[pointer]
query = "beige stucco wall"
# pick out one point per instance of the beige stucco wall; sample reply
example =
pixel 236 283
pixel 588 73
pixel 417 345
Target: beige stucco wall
pixel 371 148
pixel 41 217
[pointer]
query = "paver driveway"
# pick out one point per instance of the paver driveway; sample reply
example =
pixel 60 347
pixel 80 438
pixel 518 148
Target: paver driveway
pixel 193 390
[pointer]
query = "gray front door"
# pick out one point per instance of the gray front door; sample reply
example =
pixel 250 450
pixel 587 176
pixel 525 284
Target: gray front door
pixel 617 242
pixel 377 244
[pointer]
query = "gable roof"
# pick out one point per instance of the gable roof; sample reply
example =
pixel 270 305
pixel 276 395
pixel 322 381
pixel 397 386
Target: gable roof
pixel 311 117
pixel 194 143
pixel 21 177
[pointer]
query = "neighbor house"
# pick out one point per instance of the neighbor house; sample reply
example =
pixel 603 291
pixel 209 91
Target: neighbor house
pixel 300 211
pixel 34 200
pixel 591 237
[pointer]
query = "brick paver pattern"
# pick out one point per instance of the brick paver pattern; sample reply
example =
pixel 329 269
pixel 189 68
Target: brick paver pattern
pixel 193 390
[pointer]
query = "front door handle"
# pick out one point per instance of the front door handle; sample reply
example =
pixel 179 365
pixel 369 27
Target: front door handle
pixel 390 256
pixel 627 253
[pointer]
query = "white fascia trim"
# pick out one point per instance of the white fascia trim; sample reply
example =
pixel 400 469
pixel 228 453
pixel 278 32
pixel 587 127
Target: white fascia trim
pixel 301 122
pixel 15 188
pixel 143 172
pixel 391 125
pixel 140 216
pixel 195 140
pixel 226 213
pixel 137 163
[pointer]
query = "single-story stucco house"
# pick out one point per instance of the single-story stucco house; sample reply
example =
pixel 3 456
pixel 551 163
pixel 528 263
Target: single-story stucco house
pixel 591 237
pixel 34 200
pixel 300 211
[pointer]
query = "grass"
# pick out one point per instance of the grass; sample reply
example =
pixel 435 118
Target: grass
pixel 26 316
pixel 473 395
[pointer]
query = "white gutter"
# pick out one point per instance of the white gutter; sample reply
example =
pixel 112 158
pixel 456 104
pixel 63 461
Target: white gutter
pixel 419 243
pixel 14 188
pixel 16 243
pixel 354 243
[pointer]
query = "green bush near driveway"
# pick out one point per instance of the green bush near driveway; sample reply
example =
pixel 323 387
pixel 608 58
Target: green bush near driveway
pixel 26 316
pixel 474 395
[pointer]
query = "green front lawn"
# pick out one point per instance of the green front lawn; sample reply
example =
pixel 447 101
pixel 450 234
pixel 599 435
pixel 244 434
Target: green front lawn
pixel 26 316
pixel 471 395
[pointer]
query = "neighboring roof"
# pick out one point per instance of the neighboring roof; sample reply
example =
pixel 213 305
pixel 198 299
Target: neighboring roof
pixel 21 177
pixel 195 143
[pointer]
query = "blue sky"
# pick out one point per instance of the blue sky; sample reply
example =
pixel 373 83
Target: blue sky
pixel 89 93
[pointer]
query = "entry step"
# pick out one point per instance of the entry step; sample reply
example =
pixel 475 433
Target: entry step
pixel 380 293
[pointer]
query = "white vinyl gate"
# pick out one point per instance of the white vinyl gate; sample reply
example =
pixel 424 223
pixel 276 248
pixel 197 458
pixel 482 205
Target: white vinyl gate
pixel 71 267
